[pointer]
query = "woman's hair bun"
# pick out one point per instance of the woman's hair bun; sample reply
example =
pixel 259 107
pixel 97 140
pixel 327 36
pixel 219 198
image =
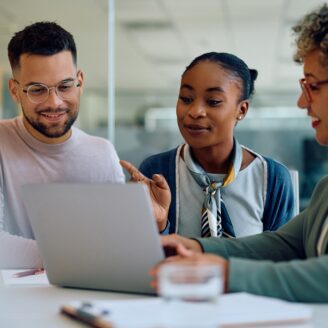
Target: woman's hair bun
pixel 253 73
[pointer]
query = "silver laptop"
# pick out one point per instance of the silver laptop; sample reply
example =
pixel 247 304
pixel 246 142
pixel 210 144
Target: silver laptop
pixel 95 236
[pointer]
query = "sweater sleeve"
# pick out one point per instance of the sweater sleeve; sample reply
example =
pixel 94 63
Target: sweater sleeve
pixel 16 252
pixel 117 175
pixel 296 281
pixel 281 245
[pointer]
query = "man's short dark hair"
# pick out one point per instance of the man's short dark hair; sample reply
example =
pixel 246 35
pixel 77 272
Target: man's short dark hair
pixel 41 38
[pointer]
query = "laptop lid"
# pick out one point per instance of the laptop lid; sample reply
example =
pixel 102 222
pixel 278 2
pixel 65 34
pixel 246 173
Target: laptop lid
pixel 95 236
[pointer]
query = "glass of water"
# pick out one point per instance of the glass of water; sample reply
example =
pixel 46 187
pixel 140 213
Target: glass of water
pixel 190 295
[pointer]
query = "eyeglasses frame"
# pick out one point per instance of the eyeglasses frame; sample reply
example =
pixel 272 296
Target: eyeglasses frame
pixel 306 87
pixel 49 88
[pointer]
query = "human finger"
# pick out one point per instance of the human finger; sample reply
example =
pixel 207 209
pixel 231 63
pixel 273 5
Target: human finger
pixel 135 174
pixel 183 251
pixel 160 181
pixel 169 240
pixel 128 166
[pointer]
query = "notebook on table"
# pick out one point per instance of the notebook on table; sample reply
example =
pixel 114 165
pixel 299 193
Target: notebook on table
pixel 232 311
pixel 95 236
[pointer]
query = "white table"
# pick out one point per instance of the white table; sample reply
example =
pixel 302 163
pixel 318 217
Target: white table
pixel 38 306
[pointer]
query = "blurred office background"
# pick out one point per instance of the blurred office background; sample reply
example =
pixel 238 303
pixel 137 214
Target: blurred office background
pixel 134 51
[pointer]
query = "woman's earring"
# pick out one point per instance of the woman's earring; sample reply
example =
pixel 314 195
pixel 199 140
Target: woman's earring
pixel 240 118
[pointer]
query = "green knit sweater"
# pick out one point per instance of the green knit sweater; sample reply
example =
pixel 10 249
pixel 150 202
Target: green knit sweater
pixel 285 263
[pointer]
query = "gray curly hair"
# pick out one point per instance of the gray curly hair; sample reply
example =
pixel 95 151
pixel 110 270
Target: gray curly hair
pixel 312 33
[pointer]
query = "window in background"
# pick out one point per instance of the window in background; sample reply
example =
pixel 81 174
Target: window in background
pixel 157 39
pixel 154 41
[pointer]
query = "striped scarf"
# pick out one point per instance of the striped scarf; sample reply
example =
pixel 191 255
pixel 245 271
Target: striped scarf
pixel 215 220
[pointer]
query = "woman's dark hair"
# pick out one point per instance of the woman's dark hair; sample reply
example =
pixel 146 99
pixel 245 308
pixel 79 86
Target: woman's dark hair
pixel 41 38
pixel 234 65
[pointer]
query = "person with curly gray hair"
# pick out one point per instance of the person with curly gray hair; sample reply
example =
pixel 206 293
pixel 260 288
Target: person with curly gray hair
pixel 312 35
pixel 292 262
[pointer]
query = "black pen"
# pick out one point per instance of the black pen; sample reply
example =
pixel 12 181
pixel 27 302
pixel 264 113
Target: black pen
pixel 82 315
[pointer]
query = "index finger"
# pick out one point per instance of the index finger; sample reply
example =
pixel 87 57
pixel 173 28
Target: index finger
pixel 133 171
pixel 169 240
pixel 128 166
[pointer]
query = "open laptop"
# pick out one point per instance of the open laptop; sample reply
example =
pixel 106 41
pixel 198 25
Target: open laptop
pixel 95 236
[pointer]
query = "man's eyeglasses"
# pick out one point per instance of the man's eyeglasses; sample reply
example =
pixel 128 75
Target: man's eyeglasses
pixel 38 93
pixel 307 88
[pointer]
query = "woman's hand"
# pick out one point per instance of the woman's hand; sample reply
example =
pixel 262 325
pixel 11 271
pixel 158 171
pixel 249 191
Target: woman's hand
pixel 171 242
pixel 159 192
pixel 189 257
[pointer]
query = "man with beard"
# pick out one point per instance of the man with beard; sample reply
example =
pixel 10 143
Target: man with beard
pixel 41 145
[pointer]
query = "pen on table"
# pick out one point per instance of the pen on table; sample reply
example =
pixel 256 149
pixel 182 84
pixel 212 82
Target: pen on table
pixel 26 273
pixel 82 314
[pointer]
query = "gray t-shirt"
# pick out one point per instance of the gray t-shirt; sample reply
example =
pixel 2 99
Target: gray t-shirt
pixel 24 159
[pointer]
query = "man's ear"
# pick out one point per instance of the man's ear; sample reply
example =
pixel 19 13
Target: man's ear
pixel 80 81
pixel 13 89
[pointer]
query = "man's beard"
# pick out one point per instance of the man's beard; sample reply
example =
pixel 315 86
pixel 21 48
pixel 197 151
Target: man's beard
pixel 55 130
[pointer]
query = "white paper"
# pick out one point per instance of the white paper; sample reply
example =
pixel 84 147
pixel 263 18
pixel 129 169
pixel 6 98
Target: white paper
pixel 232 310
pixel 36 279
